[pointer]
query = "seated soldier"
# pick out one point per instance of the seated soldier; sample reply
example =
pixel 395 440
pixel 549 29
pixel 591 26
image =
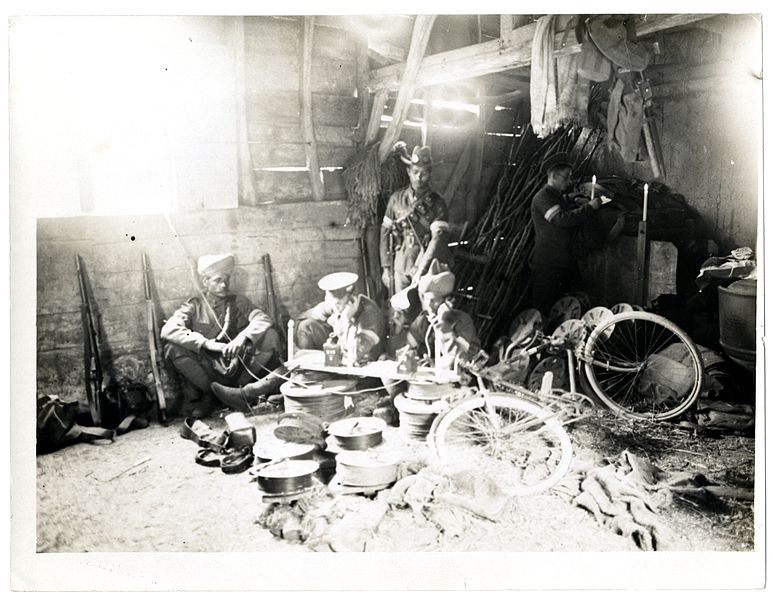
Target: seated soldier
pixel 455 328
pixel 218 337
pixel 356 321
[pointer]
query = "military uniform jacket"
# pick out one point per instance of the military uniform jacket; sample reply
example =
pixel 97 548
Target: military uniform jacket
pixel 363 314
pixel 556 220
pixel 192 324
pixel 409 218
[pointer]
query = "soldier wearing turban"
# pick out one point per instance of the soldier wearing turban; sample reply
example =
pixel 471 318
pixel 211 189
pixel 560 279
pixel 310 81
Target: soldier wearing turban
pixel 454 328
pixel 415 225
pixel 218 337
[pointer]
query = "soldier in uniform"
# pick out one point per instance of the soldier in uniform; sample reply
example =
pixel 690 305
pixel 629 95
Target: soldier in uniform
pixel 218 336
pixel 556 221
pixel 454 328
pixel 357 323
pixel 415 225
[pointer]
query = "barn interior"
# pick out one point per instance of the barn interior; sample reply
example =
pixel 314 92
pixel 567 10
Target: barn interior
pixel 277 140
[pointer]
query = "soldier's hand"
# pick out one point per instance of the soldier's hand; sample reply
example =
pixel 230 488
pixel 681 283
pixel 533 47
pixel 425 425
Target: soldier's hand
pixel 235 348
pixel 386 276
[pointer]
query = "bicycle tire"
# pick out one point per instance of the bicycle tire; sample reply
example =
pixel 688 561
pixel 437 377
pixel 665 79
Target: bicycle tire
pixel 637 350
pixel 518 472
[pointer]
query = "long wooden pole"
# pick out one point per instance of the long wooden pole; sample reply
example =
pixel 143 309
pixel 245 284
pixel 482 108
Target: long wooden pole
pixel 307 123
pixel 422 27
pixel 376 111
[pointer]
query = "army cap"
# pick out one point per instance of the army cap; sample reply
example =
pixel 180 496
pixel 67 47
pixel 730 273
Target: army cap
pixel 212 264
pixel 337 281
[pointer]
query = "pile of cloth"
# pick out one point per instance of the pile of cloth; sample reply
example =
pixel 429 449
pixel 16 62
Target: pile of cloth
pixel 628 494
pixel 440 504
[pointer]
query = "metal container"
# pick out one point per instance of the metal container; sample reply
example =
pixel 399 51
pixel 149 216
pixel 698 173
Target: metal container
pixel 274 449
pixel 324 399
pixel 358 433
pixel 287 476
pixel 738 321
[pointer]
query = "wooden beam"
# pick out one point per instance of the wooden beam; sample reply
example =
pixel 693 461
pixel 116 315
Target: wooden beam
pixel 376 111
pixel 307 123
pixel 385 50
pixel 511 52
pixel 422 27
pixel 363 95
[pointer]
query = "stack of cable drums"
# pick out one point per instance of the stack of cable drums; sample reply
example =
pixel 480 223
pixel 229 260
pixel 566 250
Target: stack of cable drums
pixel 324 399
pixel 364 471
pixel 419 406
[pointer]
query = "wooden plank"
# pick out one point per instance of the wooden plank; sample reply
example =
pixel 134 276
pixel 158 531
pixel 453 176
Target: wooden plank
pixel 274 132
pixel 329 109
pixel 294 155
pixel 422 28
pixel 460 169
pixel 505 25
pixel 363 70
pixel 513 51
pixel 281 73
pixel 266 37
pixel 294 187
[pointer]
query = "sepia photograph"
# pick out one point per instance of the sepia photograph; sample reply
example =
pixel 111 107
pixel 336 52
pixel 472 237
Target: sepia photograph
pixel 474 298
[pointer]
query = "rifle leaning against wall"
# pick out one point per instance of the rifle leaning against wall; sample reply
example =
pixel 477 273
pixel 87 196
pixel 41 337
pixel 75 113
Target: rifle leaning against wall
pixel 271 304
pixel 91 356
pixel 153 342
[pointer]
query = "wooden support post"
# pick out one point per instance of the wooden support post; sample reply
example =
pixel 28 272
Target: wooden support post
pixel 376 112
pixel 307 123
pixel 505 25
pixel 246 183
pixel 422 27
pixel 363 71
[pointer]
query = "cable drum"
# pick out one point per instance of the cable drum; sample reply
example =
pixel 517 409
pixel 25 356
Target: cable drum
pixel 325 399
pixel 366 468
pixel 428 390
pixel 287 476
pixel 357 433
pixel 275 449
pixel 416 416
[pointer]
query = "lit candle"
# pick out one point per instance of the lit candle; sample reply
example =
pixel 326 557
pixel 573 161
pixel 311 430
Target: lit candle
pixel 290 336
pixel 644 210
pixel 593 187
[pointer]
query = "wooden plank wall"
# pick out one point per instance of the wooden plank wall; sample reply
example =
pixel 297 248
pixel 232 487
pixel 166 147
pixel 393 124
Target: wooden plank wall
pixel 272 63
pixel 305 242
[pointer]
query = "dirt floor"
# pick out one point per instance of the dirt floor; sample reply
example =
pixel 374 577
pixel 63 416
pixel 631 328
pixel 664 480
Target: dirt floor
pixel 148 482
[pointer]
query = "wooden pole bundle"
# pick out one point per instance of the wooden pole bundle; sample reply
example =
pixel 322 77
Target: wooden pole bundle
pixel 493 294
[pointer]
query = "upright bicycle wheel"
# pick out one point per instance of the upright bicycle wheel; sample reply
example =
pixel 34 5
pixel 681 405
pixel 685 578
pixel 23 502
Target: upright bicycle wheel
pixel 643 366
pixel 517 443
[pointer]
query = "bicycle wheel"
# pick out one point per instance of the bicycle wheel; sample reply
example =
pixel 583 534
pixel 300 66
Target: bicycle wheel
pixel 643 366
pixel 517 443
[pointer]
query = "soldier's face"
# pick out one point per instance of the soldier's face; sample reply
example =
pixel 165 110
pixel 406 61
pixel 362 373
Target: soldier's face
pixel 337 302
pixel 560 178
pixel 217 285
pixel 419 177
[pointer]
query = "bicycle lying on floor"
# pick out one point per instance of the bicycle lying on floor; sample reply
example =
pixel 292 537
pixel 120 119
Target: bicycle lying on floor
pixel 639 364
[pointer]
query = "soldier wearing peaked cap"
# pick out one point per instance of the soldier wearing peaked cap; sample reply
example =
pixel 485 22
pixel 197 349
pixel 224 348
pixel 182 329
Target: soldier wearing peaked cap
pixel 356 321
pixel 352 318
pixel 556 219
pixel 214 335
pixel 415 225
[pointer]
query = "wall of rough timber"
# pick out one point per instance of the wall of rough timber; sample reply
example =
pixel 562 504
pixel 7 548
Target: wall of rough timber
pixel 305 241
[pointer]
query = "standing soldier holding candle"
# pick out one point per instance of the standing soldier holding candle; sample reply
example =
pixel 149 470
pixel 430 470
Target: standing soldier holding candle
pixel 556 219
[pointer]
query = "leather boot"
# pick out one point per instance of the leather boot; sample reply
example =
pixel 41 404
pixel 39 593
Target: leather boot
pixel 243 398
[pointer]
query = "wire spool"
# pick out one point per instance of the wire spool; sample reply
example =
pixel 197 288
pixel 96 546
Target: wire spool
pixel 416 416
pixel 288 476
pixel 275 449
pixel 525 326
pixel 565 308
pixel 571 332
pixel 357 434
pixel 366 468
pixel 324 399
pixel 622 307
pixel 428 390
pixel 599 315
